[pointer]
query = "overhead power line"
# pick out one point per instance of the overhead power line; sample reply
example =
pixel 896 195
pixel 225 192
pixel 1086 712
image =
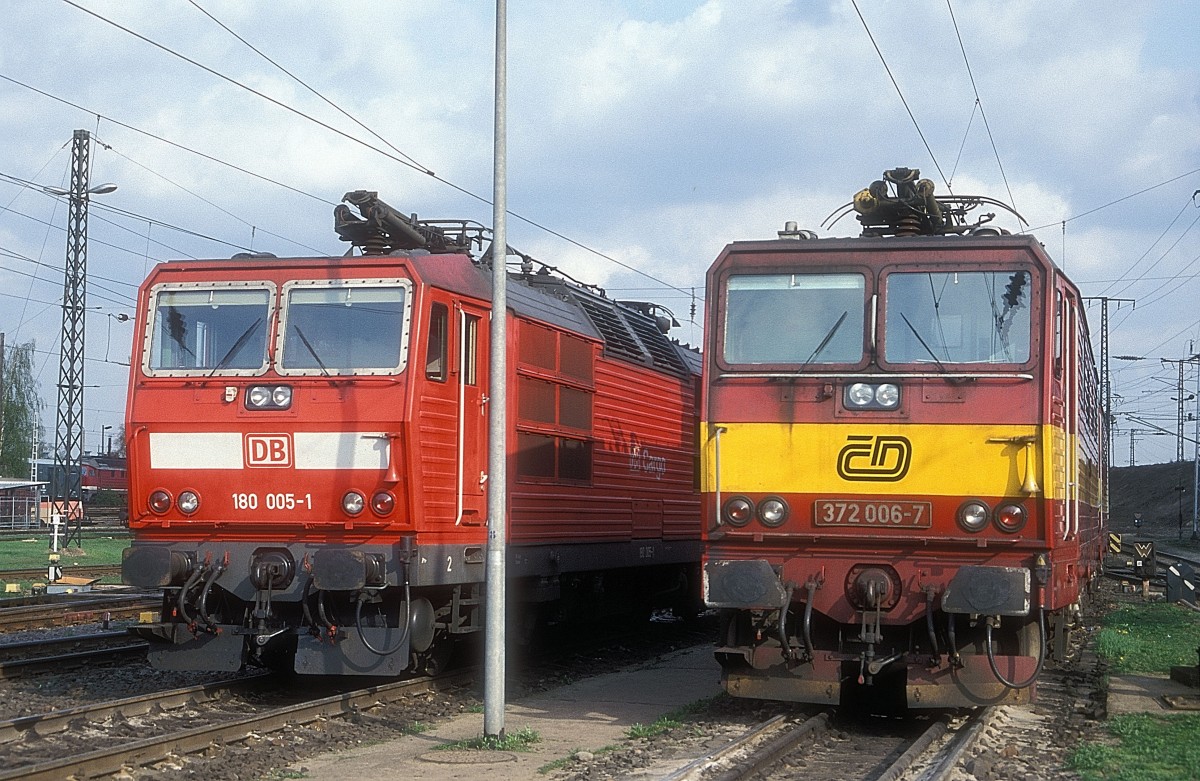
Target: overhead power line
pixel 390 155
pixel 1143 191
pixel 900 92
pixel 308 87
pixel 979 103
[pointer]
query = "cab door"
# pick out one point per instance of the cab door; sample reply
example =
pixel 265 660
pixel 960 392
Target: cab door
pixel 471 381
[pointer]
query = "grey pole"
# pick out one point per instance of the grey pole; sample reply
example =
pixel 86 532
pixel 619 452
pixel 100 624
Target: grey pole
pixel 493 675
pixel 1196 459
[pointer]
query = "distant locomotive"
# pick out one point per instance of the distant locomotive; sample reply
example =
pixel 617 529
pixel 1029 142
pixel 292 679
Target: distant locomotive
pixel 902 457
pixel 307 447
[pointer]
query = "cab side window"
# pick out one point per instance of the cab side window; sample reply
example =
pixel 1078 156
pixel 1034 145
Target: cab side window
pixel 437 351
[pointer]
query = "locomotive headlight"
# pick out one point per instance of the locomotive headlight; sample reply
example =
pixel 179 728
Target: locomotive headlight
pixel 887 395
pixel 188 502
pixel 258 396
pixel 973 516
pixel 281 396
pixel 860 394
pixel 268 397
pixel 382 503
pixel 1010 518
pixel 772 511
pixel 738 511
pixel 353 503
pixel 159 501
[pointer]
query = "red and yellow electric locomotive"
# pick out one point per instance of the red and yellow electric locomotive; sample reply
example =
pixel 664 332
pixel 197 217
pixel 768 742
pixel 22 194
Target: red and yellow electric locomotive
pixel 307 443
pixel 902 457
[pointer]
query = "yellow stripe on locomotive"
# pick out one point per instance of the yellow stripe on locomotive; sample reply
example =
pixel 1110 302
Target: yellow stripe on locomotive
pixel 879 460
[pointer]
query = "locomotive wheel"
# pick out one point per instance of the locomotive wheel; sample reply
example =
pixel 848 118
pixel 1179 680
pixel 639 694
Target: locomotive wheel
pixel 434 660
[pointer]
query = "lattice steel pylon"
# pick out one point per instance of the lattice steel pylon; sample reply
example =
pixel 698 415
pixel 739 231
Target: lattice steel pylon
pixel 66 480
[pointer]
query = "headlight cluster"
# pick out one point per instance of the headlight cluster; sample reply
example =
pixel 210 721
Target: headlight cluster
pixel 739 511
pixel 865 395
pixel 973 516
pixel 268 397
pixel 382 503
pixel 160 502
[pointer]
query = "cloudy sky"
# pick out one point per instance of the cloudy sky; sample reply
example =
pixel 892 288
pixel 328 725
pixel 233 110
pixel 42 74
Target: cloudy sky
pixel 644 135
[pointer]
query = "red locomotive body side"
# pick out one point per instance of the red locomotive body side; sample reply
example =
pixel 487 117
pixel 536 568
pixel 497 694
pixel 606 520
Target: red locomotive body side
pixel 311 491
pixel 892 508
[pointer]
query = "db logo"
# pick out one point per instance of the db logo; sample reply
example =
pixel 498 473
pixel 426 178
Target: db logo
pixel 882 459
pixel 268 449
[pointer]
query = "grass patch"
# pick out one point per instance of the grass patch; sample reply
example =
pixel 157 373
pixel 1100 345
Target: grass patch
pixel 664 723
pixel 1149 638
pixel 559 764
pixel 1147 748
pixel 520 740
pixel 672 720
pixel 655 728
pixel 32 551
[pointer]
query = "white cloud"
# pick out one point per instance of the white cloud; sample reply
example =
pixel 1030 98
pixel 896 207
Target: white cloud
pixel 654 132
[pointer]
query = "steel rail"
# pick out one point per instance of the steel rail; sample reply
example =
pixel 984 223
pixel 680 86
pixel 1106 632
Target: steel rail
pixel 762 745
pixel 79 611
pixel 10 575
pixel 152 749
pixel 43 724
pixel 17 668
pixel 919 746
pixel 964 738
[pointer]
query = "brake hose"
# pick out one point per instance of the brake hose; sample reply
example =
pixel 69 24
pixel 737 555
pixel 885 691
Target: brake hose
pixel 362 598
pixel 1037 670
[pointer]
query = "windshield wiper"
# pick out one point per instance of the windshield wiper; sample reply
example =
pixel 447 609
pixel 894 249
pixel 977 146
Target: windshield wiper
pixel 312 351
pixel 176 328
pixel 828 337
pixel 238 345
pixel 936 360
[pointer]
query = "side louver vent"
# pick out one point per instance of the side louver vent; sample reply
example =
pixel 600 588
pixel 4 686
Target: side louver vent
pixel 630 334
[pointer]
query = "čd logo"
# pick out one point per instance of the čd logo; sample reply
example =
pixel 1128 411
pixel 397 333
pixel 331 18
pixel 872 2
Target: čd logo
pixel 882 459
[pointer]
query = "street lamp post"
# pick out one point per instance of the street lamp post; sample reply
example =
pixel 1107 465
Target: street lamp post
pixel 107 447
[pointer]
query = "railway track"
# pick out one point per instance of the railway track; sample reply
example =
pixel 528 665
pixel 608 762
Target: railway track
pixel 81 571
pixel 106 737
pixel 54 611
pixel 61 653
pixel 821 749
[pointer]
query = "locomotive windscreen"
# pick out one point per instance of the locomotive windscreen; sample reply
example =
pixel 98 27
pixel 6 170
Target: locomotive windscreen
pixel 795 318
pixel 344 328
pixel 210 329
pixel 957 317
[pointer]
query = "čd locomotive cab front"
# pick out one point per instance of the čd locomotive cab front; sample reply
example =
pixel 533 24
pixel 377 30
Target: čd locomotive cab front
pixel 901 465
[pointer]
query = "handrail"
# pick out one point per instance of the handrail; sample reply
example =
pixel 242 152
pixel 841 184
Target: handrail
pixel 1071 419
pixel 460 458
pixel 717 431
pixel 136 497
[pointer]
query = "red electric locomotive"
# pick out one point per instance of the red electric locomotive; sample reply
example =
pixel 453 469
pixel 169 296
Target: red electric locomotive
pixel 307 448
pixel 902 459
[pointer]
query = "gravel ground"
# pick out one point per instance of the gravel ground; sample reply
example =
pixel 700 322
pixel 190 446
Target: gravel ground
pixel 1030 742
pixel 1021 743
